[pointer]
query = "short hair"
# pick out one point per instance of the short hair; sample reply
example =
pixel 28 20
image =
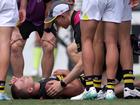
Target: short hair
pixel 19 93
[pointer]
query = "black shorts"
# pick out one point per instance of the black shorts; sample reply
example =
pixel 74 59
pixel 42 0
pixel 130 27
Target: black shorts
pixel 27 27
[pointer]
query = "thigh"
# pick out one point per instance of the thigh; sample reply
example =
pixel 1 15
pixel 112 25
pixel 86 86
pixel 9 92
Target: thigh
pixel 99 35
pixel 88 32
pixel 5 34
pixel 124 31
pixel 16 37
pixel 16 34
pixel 111 32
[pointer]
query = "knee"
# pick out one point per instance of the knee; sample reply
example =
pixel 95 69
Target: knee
pixel 47 46
pixel 125 42
pixel 110 42
pixel 17 47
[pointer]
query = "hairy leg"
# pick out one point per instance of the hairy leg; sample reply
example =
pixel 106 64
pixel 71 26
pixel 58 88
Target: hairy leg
pixel 4 51
pixel 48 44
pixel 87 35
pixel 99 49
pixel 111 30
pixel 17 61
pixel 126 55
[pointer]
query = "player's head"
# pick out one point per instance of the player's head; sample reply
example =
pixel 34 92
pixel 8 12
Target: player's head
pixel 59 14
pixel 22 88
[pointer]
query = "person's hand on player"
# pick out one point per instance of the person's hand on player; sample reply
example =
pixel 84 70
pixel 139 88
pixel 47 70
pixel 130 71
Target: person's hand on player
pixel 55 88
pixel 134 3
pixel 13 80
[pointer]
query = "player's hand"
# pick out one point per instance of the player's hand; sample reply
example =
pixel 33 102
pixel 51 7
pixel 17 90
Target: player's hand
pixel 22 15
pixel 134 3
pixel 13 80
pixel 55 88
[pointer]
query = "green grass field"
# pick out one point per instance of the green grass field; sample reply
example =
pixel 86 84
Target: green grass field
pixel 66 101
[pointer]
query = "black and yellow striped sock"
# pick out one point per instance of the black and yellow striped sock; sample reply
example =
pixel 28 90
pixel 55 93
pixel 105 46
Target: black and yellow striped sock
pixel 97 82
pixel 82 79
pixel 128 78
pixel 88 82
pixel 110 84
pixel 2 86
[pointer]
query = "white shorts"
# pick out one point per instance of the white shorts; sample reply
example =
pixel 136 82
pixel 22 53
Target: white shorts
pixel 102 10
pixel 127 11
pixel 8 13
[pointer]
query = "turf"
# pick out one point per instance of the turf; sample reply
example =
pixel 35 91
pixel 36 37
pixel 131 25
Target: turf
pixel 66 101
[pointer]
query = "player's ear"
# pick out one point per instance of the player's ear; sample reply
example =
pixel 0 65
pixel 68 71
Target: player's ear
pixel 30 90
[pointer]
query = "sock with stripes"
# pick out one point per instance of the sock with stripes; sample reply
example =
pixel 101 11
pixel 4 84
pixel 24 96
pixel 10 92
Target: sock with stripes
pixel 128 78
pixel 110 84
pixel 2 86
pixel 82 79
pixel 88 82
pixel 97 82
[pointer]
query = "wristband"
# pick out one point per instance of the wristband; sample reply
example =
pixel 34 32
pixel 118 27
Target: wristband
pixel 63 84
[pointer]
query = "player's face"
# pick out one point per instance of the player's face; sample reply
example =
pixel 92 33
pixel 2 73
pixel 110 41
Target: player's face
pixel 62 21
pixel 24 83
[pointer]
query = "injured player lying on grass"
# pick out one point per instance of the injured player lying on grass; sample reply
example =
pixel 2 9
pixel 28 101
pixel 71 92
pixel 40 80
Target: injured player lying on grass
pixel 26 88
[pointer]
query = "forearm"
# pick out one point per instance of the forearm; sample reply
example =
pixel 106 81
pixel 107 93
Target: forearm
pixel 48 6
pixel 23 4
pixel 76 71
pixel 72 89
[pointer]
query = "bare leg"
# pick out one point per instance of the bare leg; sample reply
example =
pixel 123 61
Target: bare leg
pixel 112 55
pixel 99 50
pixel 48 44
pixel 126 55
pixel 99 55
pixel 87 34
pixel 17 61
pixel 47 62
pixel 4 51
